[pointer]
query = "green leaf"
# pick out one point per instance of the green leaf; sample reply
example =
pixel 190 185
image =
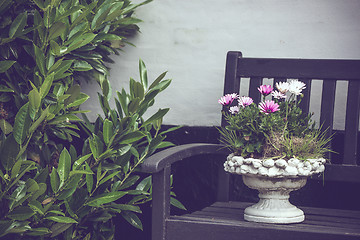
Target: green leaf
pixel 108 130
pixel 54 180
pixel 32 185
pixel 177 204
pixel 84 14
pixel 145 184
pixel 58 228
pixel 74 172
pixel 21 213
pixel 64 194
pixel 143 74
pixel 5 126
pixel 105 198
pixel 129 182
pixel 55 48
pixel 56 30
pixel 80 161
pixel 79 100
pixel 60 71
pixel 9 151
pixel 61 219
pixel 89 178
pixel 15 169
pixel 36 206
pixel 131 137
pixel 127 207
pixel 41 191
pixel 110 176
pixel 5 65
pixel 38 121
pixel 45 87
pixel 64 166
pixel 100 16
pixel 158 115
pixel 40 4
pixel 22 124
pixel 34 102
pixel 157 80
pixel 38 231
pixel 82 66
pixel 40 59
pixel 18 25
pixel 79 41
pixel 133 219
pixel 74 92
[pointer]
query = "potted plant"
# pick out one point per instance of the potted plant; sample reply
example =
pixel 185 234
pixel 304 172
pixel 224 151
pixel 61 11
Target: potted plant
pixel 62 177
pixel 275 147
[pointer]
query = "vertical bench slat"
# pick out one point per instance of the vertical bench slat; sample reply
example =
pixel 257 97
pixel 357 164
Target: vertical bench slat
pixel 305 102
pixel 160 202
pixel 231 83
pixel 352 122
pixel 277 80
pixel 254 93
pixel 327 107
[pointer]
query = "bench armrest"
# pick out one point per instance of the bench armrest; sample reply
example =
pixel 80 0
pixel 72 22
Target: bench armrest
pixel 160 160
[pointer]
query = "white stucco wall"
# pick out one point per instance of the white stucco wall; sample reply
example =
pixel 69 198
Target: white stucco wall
pixel 190 39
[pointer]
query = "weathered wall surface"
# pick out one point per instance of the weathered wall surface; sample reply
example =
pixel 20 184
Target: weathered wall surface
pixel 190 39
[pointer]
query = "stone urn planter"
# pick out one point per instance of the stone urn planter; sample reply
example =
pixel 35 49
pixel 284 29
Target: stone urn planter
pixel 274 179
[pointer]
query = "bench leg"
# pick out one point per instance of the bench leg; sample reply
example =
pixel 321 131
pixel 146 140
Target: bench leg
pixel 160 203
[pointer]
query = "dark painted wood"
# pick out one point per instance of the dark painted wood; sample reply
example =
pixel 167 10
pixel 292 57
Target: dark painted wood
pixel 224 219
pixel 305 101
pixel 352 123
pixel 299 68
pixel 254 93
pixel 161 202
pixel 160 160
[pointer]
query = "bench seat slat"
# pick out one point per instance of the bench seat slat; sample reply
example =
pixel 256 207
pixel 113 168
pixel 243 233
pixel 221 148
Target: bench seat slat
pixel 321 222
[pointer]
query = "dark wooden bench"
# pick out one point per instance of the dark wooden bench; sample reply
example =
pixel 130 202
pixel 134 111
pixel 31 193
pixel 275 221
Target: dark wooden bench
pixel 224 219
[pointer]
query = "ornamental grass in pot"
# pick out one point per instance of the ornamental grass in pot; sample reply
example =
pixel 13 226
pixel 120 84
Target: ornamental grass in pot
pixel 275 147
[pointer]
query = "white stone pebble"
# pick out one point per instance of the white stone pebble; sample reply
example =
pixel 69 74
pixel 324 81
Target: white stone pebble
pixel 257 163
pixel 281 163
pixel 274 168
pixel 248 161
pixel 239 160
pixel 291 170
pixel 268 163
pixel 293 162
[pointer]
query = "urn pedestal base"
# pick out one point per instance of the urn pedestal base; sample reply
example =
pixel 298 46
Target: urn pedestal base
pixel 274 205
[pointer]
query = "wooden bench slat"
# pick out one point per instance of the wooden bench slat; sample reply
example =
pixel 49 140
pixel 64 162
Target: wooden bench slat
pixel 254 93
pixel 231 214
pixel 299 68
pixel 352 123
pixel 305 102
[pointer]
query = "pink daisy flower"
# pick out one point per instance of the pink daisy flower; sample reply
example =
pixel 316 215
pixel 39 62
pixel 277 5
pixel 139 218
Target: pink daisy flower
pixel 265 89
pixel 234 110
pixel 227 99
pixel 278 95
pixel 268 106
pixel 245 101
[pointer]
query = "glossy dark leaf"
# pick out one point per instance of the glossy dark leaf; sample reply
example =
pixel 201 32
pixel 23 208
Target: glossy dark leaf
pixel 18 25
pixel 22 124
pixel 132 218
pixel 105 198
pixel 21 213
pixel 5 65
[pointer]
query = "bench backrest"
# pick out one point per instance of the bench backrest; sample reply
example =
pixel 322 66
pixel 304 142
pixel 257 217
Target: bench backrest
pixel 330 71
